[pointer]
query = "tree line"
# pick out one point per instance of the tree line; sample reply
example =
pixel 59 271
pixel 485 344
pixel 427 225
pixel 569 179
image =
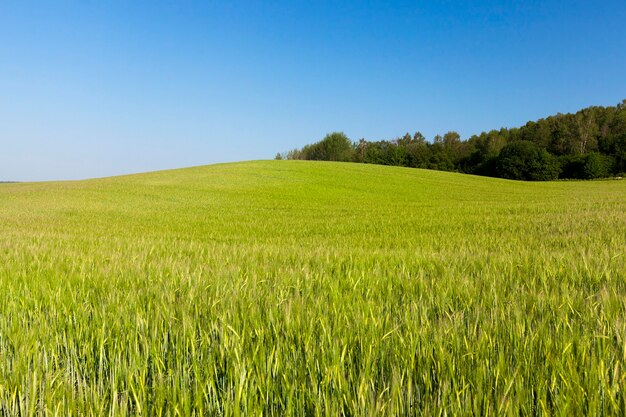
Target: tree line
pixel 590 143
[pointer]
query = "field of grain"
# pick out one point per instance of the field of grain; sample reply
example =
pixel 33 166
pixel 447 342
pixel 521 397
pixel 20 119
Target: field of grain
pixel 304 288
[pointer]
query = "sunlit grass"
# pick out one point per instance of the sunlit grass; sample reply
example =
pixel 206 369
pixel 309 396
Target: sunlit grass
pixel 303 288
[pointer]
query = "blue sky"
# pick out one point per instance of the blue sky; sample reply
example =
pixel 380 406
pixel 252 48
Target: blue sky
pixel 90 89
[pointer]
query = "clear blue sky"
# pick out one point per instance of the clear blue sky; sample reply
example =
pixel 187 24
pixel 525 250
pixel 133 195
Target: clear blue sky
pixel 99 88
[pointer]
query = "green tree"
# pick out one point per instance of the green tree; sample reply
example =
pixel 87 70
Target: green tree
pixel 417 151
pixel 334 147
pixel 523 160
pixel 596 166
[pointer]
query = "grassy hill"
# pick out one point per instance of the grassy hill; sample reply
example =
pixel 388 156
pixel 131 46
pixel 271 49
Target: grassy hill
pixel 293 288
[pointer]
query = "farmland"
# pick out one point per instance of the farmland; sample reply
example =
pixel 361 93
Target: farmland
pixel 312 288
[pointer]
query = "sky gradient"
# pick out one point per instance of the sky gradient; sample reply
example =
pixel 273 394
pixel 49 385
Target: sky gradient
pixel 91 89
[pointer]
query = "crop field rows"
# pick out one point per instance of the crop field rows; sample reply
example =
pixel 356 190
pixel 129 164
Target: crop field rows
pixel 312 288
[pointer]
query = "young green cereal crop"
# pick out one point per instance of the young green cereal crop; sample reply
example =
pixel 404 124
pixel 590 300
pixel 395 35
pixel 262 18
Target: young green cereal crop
pixel 304 288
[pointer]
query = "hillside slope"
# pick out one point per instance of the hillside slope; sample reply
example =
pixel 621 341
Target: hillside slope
pixel 284 287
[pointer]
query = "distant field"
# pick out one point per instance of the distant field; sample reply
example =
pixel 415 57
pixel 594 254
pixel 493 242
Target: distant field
pixel 304 288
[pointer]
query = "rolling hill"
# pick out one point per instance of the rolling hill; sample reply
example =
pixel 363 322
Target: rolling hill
pixel 312 288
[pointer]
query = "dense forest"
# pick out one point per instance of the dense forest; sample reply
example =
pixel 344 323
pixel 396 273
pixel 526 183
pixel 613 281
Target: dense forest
pixel 588 144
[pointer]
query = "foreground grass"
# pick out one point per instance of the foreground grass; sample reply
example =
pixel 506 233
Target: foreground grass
pixel 301 288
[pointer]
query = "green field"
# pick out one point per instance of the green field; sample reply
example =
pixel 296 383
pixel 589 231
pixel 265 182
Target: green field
pixel 312 288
